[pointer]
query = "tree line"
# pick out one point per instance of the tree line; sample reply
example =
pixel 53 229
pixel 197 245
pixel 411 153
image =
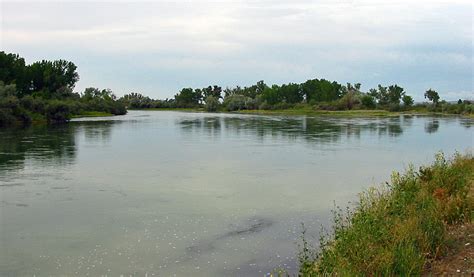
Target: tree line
pixel 318 94
pixel 43 91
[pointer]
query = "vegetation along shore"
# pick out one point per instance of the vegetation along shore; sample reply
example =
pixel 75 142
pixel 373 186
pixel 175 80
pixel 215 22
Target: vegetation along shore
pixel 43 92
pixel 419 223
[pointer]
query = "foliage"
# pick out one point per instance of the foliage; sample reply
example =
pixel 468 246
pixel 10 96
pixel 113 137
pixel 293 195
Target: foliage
pixel 102 101
pixel 395 94
pixel 407 100
pixel 349 100
pixel 14 71
pixel 238 102
pixel 368 101
pixel 57 112
pixel 44 91
pixel 188 98
pixel 433 96
pixel 322 90
pixel 401 227
pixel 50 76
pixel 214 91
pixel 212 103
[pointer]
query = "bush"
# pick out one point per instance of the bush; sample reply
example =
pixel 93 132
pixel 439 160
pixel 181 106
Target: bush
pixel 399 229
pixel 117 108
pixel 407 100
pixel 57 112
pixel 236 102
pixel 212 104
pixel 22 116
pixel 329 106
pixel 264 106
pixel 9 102
pixel 348 101
pixel 35 105
pixel 394 107
pixel 368 102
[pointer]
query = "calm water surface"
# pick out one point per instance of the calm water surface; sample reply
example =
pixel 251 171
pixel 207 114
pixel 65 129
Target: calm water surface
pixel 193 194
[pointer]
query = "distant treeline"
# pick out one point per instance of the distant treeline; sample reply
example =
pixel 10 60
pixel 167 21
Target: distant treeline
pixel 319 94
pixel 43 91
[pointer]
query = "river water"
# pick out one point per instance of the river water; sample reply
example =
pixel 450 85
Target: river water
pixel 157 193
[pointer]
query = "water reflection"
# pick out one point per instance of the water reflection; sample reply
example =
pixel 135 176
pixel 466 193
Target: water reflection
pixel 314 130
pixel 432 126
pixel 187 194
pixel 95 131
pixel 47 145
pixel 53 145
pixel 318 130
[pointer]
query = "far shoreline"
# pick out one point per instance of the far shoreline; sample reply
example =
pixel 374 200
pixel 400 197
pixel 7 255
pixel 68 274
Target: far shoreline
pixel 310 112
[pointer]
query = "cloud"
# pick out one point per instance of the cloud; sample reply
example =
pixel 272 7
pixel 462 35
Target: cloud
pixel 240 42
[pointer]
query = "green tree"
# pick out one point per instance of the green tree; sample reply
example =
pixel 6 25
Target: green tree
pixel 14 71
pixel 291 93
pixel 381 94
pixel 368 101
pixel 188 98
pixel 433 96
pixel 407 100
pixel 214 91
pixel 395 94
pixel 272 95
pixel 316 90
pixel 49 76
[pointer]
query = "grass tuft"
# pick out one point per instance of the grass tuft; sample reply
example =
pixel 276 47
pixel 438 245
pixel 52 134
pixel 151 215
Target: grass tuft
pixel 401 228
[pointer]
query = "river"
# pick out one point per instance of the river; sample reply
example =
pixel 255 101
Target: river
pixel 164 193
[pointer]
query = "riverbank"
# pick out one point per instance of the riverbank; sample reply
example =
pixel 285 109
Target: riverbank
pixel 312 112
pixel 459 257
pixel 92 114
pixel 410 227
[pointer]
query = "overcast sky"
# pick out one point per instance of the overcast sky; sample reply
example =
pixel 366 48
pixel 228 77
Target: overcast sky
pixel 158 47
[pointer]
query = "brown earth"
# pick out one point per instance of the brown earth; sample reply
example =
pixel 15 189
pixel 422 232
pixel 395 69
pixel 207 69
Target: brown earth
pixel 459 259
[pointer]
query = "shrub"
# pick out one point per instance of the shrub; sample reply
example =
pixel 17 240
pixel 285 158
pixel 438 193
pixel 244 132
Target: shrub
pixel 407 100
pixel 264 106
pixel 57 111
pixel 348 101
pixel 212 104
pixel 399 229
pixel 394 107
pixel 368 102
pixel 235 102
pixel 35 105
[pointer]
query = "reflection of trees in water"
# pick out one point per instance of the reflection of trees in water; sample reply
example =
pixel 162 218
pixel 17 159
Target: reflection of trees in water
pixel 467 123
pixel 48 144
pixel 95 131
pixel 432 126
pixel 316 130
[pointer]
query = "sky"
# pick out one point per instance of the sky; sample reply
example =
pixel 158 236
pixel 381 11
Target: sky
pixel 158 47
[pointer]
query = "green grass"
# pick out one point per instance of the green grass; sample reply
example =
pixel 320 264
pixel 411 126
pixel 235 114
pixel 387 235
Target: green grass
pixel 92 114
pixel 171 109
pixel 308 110
pixel 400 228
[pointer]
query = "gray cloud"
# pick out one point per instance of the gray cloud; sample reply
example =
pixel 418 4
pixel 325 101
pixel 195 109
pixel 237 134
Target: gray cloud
pixel 158 47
